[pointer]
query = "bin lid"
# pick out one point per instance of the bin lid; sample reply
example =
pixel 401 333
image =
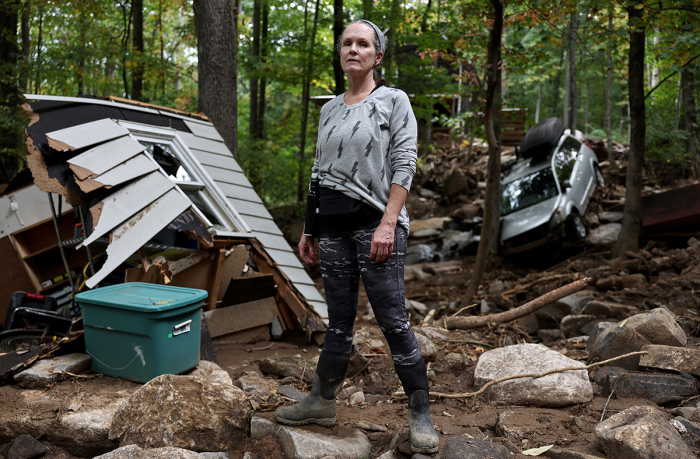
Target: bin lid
pixel 139 296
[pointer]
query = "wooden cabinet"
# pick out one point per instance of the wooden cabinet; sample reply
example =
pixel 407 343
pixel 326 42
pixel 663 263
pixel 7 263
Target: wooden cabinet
pixel 37 247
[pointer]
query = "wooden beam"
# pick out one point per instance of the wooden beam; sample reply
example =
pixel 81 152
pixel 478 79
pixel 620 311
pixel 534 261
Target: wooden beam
pixel 216 280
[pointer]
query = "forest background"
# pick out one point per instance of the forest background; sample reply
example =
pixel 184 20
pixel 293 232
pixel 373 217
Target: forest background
pixel 569 59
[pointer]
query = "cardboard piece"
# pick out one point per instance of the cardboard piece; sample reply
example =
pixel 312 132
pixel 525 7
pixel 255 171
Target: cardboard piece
pixel 242 316
pixel 245 289
pixel 250 336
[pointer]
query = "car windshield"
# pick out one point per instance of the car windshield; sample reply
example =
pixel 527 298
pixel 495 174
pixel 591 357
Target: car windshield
pixel 528 190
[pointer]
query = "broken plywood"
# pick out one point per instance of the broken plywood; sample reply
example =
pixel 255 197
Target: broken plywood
pixel 130 236
pixel 43 181
pixel 102 158
pixel 85 135
pixel 242 316
pixel 120 206
pixel 236 258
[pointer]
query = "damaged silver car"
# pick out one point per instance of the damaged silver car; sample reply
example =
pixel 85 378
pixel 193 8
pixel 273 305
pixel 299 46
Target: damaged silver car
pixel 547 189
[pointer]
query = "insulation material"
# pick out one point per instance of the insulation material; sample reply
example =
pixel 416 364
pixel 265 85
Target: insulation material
pixel 130 236
pixel 85 135
pixel 46 183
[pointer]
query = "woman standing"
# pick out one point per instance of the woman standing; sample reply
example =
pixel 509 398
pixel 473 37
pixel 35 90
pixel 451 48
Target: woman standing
pixel 365 161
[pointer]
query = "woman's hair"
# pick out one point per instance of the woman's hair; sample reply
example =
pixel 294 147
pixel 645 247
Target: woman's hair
pixel 381 81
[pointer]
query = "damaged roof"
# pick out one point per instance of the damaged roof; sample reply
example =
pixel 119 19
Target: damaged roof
pixel 113 154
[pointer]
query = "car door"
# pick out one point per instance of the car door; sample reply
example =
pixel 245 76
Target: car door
pixel 569 161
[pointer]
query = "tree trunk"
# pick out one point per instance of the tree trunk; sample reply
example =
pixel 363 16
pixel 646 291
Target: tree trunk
pixel 690 116
pixel 337 32
pixel 631 221
pixel 301 172
pixel 570 102
pixel 367 9
pixel 137 74
pixel 37 80
pixel 390 54
pixel 263 80
pixel 504 85
pixel 13 119
pixel 608 98
pixel 494 163
pixel 25 50
pixel 217 47
pixel 539 101
pixel 557 82
pixel 255 61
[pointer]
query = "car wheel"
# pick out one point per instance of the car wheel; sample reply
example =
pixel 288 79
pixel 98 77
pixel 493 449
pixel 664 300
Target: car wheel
pixel 576 228
pixel 599 176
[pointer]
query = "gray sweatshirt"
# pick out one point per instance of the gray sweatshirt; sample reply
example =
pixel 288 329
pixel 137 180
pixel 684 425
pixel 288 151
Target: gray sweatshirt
pixel 363 149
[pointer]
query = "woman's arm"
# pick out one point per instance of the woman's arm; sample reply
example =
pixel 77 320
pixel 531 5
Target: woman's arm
pixel 383 237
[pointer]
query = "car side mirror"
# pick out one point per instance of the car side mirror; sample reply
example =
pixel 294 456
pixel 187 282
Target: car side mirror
pixel 566 184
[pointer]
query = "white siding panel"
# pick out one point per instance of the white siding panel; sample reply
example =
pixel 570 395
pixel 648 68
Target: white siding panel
pixel 203 130
pixel 239 192
pixel 298 275
pixel 84 135
pixel 252 208
pixel 271 241
pixel 200 143
pixel 321 309
pixel 262 225
pixel 214 160
pixel 107 156
pixel 228 176
pixel 284 258
pixel 309 292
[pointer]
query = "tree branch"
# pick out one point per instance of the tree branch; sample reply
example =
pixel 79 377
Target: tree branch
pixel 669 76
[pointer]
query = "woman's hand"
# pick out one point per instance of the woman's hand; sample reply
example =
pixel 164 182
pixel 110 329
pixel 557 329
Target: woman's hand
pixel 382 242
pixel 306 249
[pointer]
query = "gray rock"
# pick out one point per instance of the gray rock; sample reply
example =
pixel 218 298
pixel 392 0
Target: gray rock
pixel 356 399
pixel 26 447
pixel 427 348
pixel 572 325
pixel 575 302
pixel 255 384
pixel 528 324
pixel 641 432
pixel 195 412
pixel 608 309
pixel 289 366
pixel 434 333
pixel 610 217
pixel 291 392
pixel 607 373
pixel 430 232
pixel 135 452
pixel 472 448
pixel 417 306
pixel 455 361
pixel 456 183
pixel 466 212
pixel 549 334
pixel 558 389
pixel 419 253
pixel 370 426
pixel 659 388
pixel 686 412
pixel 632 281
pixel 303 444
pixel 210 455
pixel 616 341
pixel 595 331
pixel 261 427
pixel 671 358
pixel 436 223
pixel 457 242
pixel 558 453
pixel 659 327
pixel 605 235
pixel 426 193
pixel 48 371
pixel 391 454
pixel 551 315
pixel 212 371
pixel 496 287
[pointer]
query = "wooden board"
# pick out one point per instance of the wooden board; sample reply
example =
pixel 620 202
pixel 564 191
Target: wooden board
pixel 233 267
pixel 119 206
pixel 130 236
pixel 204 130
pixel 15 278
pixel 85 135
pixel 242 316
pixel 250 288
pixel 131 169
pixel 102 158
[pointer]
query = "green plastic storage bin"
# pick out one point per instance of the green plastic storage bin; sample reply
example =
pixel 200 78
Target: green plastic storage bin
pixel 138 331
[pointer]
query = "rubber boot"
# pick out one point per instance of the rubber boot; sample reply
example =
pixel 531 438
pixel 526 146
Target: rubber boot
pixel 414 379
pixel 319 406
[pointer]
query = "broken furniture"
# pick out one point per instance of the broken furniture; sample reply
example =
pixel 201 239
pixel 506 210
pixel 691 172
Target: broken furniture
pixel 152 178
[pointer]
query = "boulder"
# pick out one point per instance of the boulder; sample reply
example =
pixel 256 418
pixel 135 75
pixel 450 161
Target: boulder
pixel 466 212
pixel 528 324
pixel 605 235
pixel 419 253
pixel 631 281
pixel 594 331
pixel 135 452
pixel 610 217
pixel 427 348
pixel 436 223
pixel 608 309
pixel 456 183
pixel 641 432
pixel 49 371
pixel 658 326
pixel 615 341
pixel 573 303
pixel 472 448
pixel 557 389
pixel 659 388
pixel 192 412
pixel 291 392
pixel 289 366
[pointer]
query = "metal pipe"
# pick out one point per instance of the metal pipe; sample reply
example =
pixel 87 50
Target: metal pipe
pixel 85 231
pixel 60 243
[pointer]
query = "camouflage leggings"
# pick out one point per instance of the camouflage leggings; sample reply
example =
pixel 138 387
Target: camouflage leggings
pixel 344 255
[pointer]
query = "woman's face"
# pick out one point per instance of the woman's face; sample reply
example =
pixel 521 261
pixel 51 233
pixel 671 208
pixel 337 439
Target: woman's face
pixel 357 53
